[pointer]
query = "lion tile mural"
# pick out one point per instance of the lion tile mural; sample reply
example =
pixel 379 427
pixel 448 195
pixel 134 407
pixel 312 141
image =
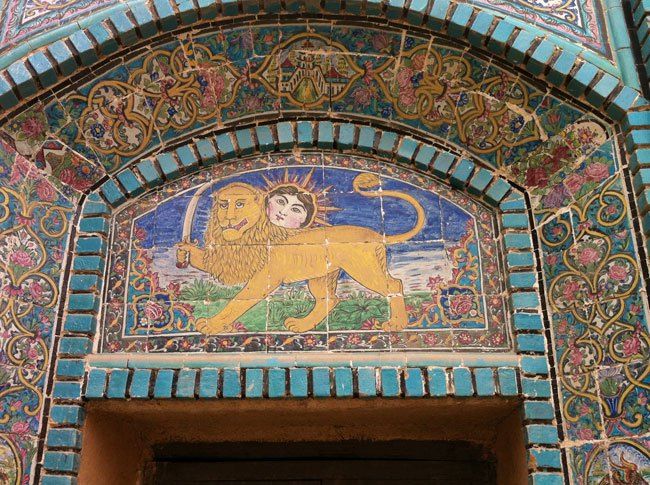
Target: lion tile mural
pixel 314 252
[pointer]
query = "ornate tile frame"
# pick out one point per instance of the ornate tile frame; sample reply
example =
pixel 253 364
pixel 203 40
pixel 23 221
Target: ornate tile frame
pixel 561 69
pixel 82 375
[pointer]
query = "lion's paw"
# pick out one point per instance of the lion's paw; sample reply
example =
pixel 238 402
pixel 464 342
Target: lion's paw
pixel 298 325
pixel 208 326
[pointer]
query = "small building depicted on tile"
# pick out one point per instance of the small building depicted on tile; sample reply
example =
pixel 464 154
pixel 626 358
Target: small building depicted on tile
pixel 324 242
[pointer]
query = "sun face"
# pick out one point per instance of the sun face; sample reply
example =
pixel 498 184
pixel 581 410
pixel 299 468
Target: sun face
pixel 295 202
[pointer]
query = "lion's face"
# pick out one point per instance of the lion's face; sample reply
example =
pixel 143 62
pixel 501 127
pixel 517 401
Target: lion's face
pixel 238 208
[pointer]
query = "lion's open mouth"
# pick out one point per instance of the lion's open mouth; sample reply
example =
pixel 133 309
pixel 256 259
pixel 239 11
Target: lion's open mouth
pixel 239 225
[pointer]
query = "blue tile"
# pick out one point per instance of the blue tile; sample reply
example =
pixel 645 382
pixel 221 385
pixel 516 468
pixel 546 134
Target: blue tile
pixel 67 390
pixel 298 384
pixel 345 140
pixel 325 134
pixel 245 142
pixel 531 343
pixel 437 381
pixel 343 382
pixel 535 388
pixel 70 368
pixel 64 438
pixel 462 382
pixel 413 382
pixel 79 323
pixel 90 245
pixel 534 365
pixel 96 383
pixel 166 15
pixel 285 135
pixel 254 383
pixel 305 132
pixel 541 434
pixel 144 19
pixel 61 461
pixel 390 382
pixel 231 383
pixel 67 414
pixel 277 383
pixel 22 78
pixel 140 384
pixel 84 47
pixel 209 383
pixel 265 139
pixel 485 385
pixel 75 346
pixel 507 381
pixel 164 382
pixel 186 383
pixel 187 157
pixel 538 410
pixel 321 381
pixel 546 458
pixel 366 377
pixel 117 383
pixel 43 68
pixel 104 38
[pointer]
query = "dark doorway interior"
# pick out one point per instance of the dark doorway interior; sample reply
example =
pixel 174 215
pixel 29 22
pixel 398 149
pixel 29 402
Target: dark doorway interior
pixel 322 463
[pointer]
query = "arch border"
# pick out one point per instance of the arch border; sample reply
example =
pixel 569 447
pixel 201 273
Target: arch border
pixel 119 377
pixel 523 46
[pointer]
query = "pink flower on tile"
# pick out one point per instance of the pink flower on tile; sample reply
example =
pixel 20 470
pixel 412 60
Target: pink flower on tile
pixel 20 427
pixel 153 311
pixel 618 272
pixel 597 171
pixel 45 191
pixel 570 290
pixel 21 258
pixel 32 127
pixel 574 183
pixel 585 434
pixel 588 256
pixel 36 290
pixel 631 345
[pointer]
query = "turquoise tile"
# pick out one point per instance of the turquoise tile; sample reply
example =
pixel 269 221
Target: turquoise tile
pixel 231 383
pixel 209 383
pixel 117 381
pixel 321 381
pixel 413 382
pixel 343 382
pixel 186 383
pixel 254 383
pixel 277 383
pixel 367 380
pixel 298 384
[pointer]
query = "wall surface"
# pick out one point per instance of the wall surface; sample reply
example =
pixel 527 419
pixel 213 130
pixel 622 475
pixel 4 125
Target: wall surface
pixel 298 200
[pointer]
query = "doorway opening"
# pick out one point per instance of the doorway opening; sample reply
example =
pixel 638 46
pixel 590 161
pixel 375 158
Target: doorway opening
pixel 312 442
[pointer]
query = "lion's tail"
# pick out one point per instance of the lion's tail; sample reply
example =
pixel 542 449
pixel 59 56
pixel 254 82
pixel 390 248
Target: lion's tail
pixel 365 182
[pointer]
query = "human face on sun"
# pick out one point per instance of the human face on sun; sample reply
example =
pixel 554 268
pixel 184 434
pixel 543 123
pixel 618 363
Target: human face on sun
pixel 286 210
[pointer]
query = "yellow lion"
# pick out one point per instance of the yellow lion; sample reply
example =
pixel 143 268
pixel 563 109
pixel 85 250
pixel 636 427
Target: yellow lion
pixel 243 247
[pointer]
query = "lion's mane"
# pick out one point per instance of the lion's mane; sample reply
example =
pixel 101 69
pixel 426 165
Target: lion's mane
pixel 235 262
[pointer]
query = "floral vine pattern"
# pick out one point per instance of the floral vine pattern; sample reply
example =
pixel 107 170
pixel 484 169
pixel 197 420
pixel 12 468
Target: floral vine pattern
pixel 197 84
pixel 34 220
pixel 602 341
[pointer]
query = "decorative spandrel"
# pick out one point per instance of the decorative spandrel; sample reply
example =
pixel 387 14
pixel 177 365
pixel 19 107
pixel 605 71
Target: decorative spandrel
pixel 315 252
